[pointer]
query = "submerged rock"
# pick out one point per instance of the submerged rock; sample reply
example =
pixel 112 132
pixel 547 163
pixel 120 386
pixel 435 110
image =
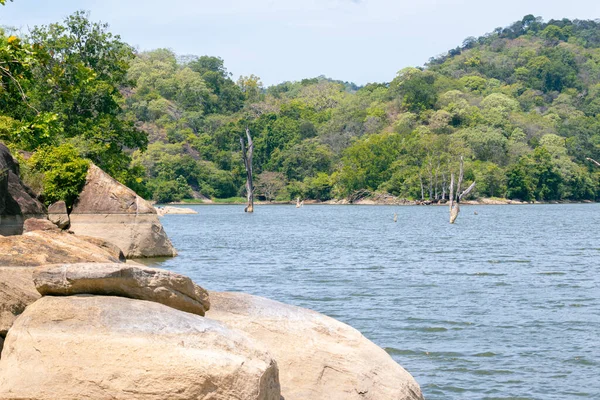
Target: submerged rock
pixel 109 210
pixel 133 281
pixel 17 201
pixel 49 247
pixel 58 215
pixel 101 347
pixel 17 291
pixel 319 358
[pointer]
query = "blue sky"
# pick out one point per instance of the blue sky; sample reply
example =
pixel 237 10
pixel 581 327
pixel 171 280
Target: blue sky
pixel 354 40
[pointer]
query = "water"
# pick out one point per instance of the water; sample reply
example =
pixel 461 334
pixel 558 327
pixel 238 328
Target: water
pixel 502 305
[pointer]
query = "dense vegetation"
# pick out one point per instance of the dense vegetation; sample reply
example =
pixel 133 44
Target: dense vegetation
pixel 521 105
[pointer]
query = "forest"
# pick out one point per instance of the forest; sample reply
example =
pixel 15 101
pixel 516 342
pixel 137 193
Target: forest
pixel 521 104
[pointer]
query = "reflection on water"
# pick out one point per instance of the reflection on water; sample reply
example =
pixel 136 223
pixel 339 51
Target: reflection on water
pixel 503 304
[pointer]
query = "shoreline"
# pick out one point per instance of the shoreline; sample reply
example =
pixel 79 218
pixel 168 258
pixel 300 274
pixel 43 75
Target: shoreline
pixel 379 202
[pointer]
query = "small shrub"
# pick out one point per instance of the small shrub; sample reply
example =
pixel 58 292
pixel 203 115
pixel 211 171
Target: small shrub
pixel 64 173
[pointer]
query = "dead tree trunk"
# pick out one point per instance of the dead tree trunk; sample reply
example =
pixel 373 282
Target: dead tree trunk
pixel 594 161
pixel 443 186
pixel 430 180
pixel 437 174
pixel 454 202
pixel 247 157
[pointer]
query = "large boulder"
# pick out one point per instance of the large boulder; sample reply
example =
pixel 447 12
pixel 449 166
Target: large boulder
pixel 109 210
pixel 109 247
pixel 133 281
pixel 17 291
pixel 17 201
pixel 101 347
pixel 319 358
pixel 39 224
pixel 57 213
pixel 47 247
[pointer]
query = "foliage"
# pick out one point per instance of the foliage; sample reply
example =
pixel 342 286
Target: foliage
pixel 520 104
pixel 64 173
pixel 270 184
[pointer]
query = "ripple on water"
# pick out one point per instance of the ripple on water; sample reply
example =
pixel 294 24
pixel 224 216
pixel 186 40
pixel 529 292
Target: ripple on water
pixel 493 294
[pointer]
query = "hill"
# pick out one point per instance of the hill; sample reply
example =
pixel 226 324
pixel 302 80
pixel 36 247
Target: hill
pixel 520 104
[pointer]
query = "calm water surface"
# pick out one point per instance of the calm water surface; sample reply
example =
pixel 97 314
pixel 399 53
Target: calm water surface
pixel 502 305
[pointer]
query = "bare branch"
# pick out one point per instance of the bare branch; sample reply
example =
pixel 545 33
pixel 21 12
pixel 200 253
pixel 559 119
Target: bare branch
pixel 460 178
pixel 247 153
pixel 592 160
pixel 6 71
pixel 451 191
pixel 467 191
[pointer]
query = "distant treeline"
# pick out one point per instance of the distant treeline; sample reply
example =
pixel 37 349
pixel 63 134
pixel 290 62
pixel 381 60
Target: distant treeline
pixel 521 105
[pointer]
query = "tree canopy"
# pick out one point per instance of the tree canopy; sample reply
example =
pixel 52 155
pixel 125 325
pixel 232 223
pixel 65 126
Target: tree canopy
pixel 520 104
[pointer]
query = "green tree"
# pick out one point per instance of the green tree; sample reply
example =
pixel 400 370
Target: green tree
pixel 80 70
pixel 63 171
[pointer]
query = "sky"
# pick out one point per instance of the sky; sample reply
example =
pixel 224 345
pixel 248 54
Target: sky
pixel 359 41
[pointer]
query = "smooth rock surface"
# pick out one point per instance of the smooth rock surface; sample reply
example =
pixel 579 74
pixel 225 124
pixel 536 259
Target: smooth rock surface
pixel 102 347
pixel 109 210
pixel 58 215
pixel 17 201
pixel 319 358
pixel 126 280
pixel 174 210
pixel 17 291
pixel 44 247
pixel 39 224
pixel 111 248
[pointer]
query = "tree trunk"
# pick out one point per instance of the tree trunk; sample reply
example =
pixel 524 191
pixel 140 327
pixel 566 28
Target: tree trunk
pixel 454 202
pixel 594 161
pixel 443 186
pixel 430 181
pixel 437 175
pixel 454 209
pixel 422 188
pixel 247 157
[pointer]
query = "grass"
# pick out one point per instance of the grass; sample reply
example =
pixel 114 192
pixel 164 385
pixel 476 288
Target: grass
pixel 191 201
pixel 230 200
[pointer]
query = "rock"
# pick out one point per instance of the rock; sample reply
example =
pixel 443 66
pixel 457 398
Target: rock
pixel 109 210
pixel 112 249
pixel 17 201
pixel 174 210
pixel 16 292
pixel 45 247
pixel 319 358
pixel 58 215
pixel 38 224
pixel 133 281
pixel 1 345
pixel 101 347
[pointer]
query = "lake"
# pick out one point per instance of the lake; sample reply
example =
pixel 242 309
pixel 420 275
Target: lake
pixel 504 304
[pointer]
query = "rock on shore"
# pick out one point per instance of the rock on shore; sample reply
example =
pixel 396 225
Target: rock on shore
pixel 100 347
pixel 133 281
pixel 319 357
pixel 17 201
pixel 161 211
pixel 109 210
pixel 17 291
pixel 49 247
